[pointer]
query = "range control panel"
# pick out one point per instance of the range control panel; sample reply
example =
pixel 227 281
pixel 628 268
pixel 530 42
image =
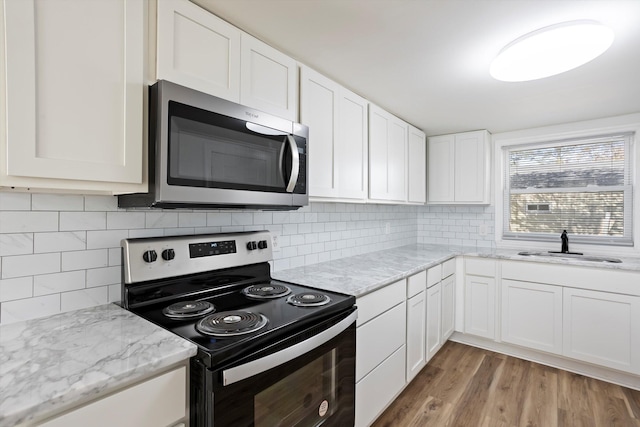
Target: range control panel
pixel 163 257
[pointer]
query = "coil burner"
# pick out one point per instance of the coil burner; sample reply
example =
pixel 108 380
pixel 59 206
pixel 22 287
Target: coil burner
pixel 308 299
pixel 188 309
pixel 231 323
pixel 266 291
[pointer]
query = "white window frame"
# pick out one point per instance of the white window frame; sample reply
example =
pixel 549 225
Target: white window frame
pixel 578 130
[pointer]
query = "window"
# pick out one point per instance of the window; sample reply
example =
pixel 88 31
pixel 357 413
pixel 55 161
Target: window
pixel 582 186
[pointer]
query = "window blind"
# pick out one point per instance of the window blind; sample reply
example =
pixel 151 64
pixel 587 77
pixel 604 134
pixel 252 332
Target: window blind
pixel 582 186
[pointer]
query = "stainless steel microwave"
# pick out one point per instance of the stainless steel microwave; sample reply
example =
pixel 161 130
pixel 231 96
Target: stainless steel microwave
pixel 207 152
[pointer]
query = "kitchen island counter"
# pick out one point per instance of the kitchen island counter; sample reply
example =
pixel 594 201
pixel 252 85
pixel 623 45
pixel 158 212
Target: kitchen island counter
pixel 54 363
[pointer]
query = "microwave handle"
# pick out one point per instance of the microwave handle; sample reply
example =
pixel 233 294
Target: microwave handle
pixel 295 163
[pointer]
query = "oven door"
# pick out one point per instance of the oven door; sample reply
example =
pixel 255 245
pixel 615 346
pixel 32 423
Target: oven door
pixel 306 380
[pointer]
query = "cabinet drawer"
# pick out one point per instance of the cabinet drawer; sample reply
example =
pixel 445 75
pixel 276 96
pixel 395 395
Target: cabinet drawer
pixel 448 268
pixel 480 267
pixel 377 389
pixel 375 303
pixel 434 275
pixel 416 284
pixel 379 338
pixel 160 401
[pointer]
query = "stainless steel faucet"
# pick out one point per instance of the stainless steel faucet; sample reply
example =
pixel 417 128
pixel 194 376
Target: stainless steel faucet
pixel 565 242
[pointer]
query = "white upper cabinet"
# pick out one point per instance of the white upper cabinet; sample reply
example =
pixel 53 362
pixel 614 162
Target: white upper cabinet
pixel 387 156
pixel 201 51
pixel 197 49
pixel 458 168
pixel 417 162
pixel 337 120
pixel 268 79
pixel 73 94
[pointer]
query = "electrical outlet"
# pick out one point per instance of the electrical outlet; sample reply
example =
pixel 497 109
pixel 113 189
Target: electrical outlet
pixel 387 228
pixel 275 244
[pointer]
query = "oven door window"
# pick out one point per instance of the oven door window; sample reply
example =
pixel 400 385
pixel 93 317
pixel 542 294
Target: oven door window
pixel 211 150
pixel 285 404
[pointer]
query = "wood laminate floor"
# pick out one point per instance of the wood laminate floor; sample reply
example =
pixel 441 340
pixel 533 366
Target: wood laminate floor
pixel 468 386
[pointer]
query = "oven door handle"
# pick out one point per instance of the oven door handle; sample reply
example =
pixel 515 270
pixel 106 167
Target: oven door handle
pixel 239 373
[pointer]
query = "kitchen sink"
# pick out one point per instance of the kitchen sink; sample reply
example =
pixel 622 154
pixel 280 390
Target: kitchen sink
pixel 571 255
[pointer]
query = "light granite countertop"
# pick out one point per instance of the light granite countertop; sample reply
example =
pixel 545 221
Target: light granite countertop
pixel 56 362
pixel 362 274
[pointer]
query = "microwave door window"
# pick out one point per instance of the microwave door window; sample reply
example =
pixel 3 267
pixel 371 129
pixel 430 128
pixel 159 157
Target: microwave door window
pixel 205 155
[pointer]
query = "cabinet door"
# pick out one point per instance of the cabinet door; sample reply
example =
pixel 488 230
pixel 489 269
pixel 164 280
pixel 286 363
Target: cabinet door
pixel 471 167
pixel 387 156
pixel 378 389
pixel 532 315
pixel 416 334
pixel 370 349
pixel 480 306
pixel 434 320
pixel 440 169
pixel 417 175
pixel 197 49
pixel 448 306
pixel 351 160
pixel 74 91
pixel 318 96
pixel 268 79
pixel 160 401
pixel 602 328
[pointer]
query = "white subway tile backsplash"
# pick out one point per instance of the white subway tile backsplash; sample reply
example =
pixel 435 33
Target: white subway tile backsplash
pixel 76 260
pixel 28 222
pixel 102 239
pixel 77 221
pixel 59 241
pixel 161 219
pixel 218 219
pixel 16 244
pixel 83 298
pixel 15 201
pixel 100 203
pixel 103 276
pixel 13 289
pixel 82 260
pixel 29 308
pixel 47 284
pixel 125 220
pixel 57 202
pixel 30 265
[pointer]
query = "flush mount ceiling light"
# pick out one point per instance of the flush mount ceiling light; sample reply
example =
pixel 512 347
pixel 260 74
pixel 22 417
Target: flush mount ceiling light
pixel 551 50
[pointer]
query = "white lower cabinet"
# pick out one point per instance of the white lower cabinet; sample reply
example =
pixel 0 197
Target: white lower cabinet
pixel 416 324
pixel 480 306
pixel 380 350
pixel 434 319
pixel 532 315
pixel 448 306
pixel 602 328
pixel 480 297
pixel 160 401
pixel 375 391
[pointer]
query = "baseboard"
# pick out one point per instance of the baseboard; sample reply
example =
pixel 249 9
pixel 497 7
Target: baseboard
pixel 598 372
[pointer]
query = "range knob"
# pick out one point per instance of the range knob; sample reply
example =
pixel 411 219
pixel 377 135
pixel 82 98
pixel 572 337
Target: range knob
pixel 252 245
pixel 168 254
pixel 262 244
pixel 150 256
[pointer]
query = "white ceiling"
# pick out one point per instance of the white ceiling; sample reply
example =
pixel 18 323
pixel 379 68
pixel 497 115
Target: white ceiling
pixel 427 61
